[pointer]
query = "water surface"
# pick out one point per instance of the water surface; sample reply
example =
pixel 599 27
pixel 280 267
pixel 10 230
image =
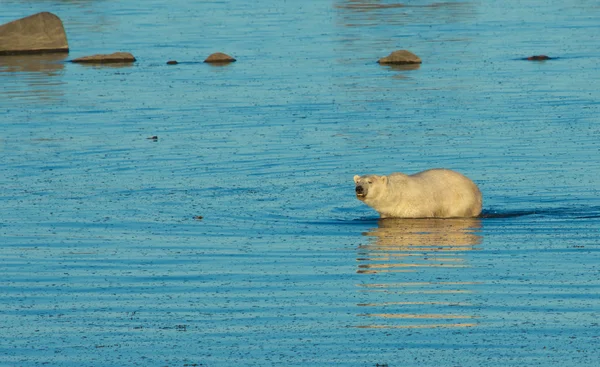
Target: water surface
pixel 105 264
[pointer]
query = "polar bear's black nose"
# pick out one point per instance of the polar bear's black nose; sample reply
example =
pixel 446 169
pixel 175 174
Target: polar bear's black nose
pixel 359 190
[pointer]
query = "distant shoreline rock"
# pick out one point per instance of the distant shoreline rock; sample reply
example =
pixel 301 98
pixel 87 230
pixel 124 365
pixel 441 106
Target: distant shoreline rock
pixel 400 57
pixel 219 57
pixel 115 57
pixel 36 34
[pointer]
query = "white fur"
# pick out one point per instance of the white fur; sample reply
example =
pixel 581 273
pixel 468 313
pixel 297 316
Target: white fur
pixel 435 193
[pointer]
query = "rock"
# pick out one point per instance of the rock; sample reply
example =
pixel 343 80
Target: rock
pixel 172 62
pixel 115 57
pixel 38 33
pixel 400 57
pixel 219 57
pixel 538 58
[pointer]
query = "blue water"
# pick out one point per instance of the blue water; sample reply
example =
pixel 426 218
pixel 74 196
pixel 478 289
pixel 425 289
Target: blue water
pixel 105 264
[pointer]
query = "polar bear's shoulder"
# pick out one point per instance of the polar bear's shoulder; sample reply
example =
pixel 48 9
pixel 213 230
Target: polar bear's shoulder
pixel 398 177
pixel 436 172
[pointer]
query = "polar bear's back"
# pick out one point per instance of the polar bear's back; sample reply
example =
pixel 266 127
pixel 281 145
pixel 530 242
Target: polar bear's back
pixel 435 193
pixel 444 178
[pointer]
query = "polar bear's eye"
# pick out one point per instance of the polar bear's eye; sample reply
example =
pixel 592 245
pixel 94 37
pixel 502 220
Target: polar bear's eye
pixel 369 182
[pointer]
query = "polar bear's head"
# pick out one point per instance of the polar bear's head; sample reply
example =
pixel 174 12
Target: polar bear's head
pixel 369 186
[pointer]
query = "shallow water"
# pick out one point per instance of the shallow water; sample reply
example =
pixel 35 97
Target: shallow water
pixel 104 263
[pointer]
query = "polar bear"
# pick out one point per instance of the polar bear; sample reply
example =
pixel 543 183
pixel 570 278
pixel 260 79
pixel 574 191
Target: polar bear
pixel 435 193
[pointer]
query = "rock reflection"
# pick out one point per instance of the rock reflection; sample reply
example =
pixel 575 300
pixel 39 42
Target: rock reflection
pixel 373 12
pixel 403 67
pixel 45 63
pixel 32 76
pixel 418 274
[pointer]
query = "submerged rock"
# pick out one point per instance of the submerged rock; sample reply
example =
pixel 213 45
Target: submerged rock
pixel 219 57
pixel 400 57
pixel 35 34
pixel 172 62
pixel 115 57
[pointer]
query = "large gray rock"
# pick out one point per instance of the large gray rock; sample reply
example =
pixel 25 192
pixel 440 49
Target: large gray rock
pixel 38 33
pixel 400 57
pixel 115 57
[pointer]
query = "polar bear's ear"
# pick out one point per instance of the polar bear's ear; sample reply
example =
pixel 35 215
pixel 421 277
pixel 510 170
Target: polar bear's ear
pixel 384 179
pixel 356 178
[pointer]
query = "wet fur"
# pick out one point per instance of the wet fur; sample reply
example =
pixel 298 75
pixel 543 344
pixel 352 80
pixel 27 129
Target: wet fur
pixel 435 193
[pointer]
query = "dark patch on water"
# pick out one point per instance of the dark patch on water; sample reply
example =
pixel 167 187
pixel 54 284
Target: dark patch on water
pixel 489 214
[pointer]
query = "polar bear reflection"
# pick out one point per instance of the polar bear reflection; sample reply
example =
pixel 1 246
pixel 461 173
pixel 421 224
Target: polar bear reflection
pixel 418 272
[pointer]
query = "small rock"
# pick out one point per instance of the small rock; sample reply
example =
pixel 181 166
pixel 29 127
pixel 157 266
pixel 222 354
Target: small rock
pixel 38 33
pixel 539 58
pixel 172 62
pixel 400 57
pixel 219 57
pixel 115 57
pixel 198 217
pixel 155 138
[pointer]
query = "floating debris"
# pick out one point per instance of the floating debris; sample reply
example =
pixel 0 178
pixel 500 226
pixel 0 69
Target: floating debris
pixel 538 58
